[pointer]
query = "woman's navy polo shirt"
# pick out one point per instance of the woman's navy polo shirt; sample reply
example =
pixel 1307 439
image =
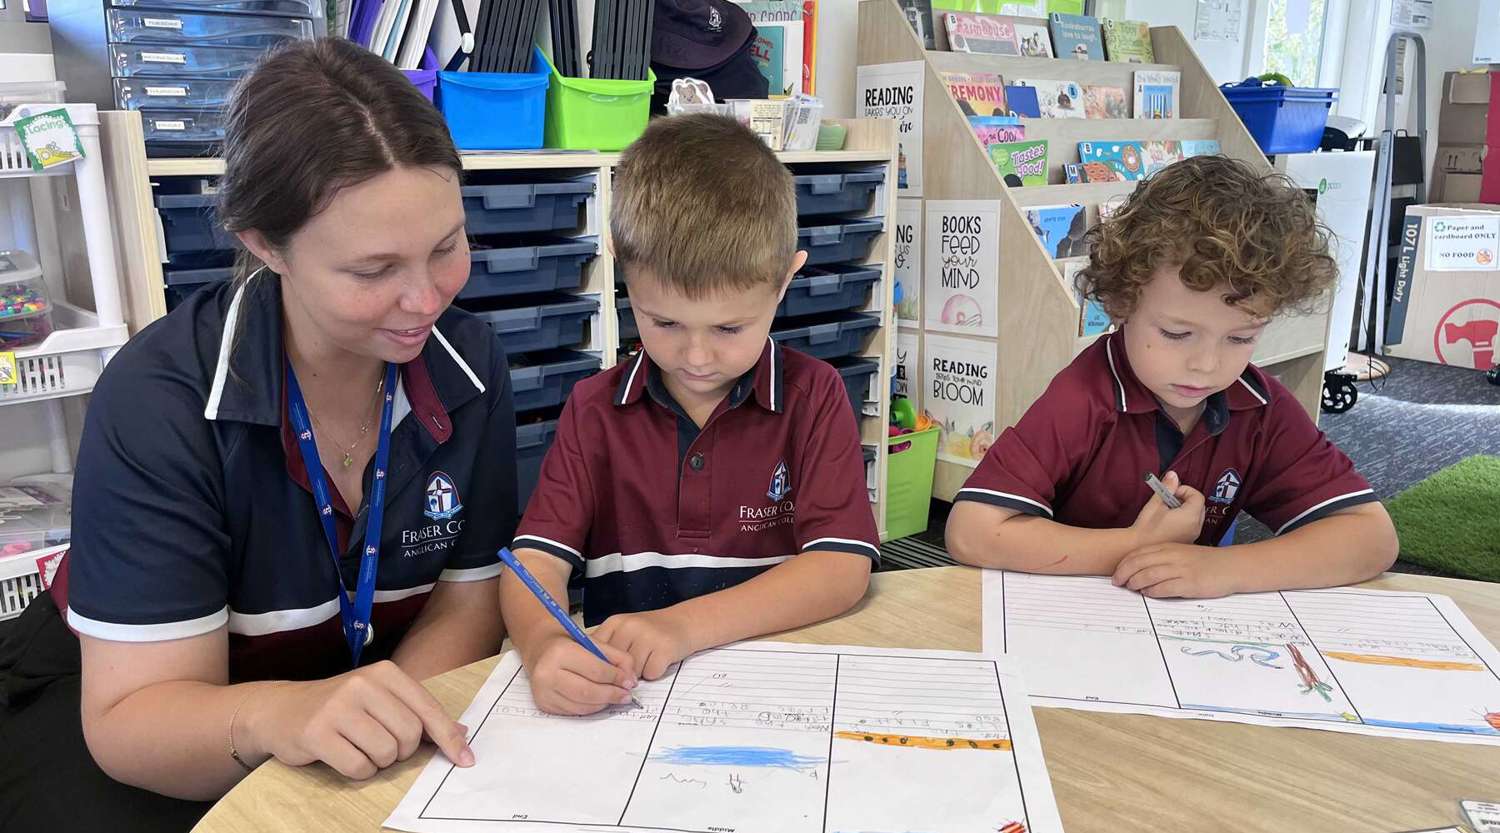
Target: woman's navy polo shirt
pixel 191 505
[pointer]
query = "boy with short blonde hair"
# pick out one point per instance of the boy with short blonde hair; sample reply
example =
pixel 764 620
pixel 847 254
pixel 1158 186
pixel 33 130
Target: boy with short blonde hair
pixel 710 488
pixel 1192 267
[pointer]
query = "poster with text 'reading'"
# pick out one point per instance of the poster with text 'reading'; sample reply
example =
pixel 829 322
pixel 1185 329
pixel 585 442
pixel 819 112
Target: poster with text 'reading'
pixel 958 393
pixel 894 91
pixel 961 273
pixel 908 262
pixel 908 350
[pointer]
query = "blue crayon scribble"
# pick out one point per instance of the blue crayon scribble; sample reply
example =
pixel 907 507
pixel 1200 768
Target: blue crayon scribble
pixel 748 756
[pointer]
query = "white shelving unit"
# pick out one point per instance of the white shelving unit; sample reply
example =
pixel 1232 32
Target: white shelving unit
pixel 67 362
pixel 62 216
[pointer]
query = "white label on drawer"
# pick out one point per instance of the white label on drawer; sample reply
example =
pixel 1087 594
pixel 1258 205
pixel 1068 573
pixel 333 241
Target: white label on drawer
pixel 166 92
pixel 170 125
pixel 161 23
pixel 163 58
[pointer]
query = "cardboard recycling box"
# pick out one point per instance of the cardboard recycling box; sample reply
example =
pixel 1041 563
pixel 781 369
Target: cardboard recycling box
pixel 1445 305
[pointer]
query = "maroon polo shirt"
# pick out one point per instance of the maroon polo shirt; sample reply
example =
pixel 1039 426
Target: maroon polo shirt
pixel 652 510
pixel 1081 452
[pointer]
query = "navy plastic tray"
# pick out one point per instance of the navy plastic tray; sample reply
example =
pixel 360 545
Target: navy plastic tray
pixel 819 289
pixel 525 206
pixel 543 380
pixel 198 268
pixel 139 93
pixel 538 322
pixel 857 373
pixel 825 338
pixel 540 265
pixel 628 328
pixel 191 29
pixel 156 60
pixel 188 224
pixel 532 442
pixel 836 193
pixel 283 8
pixel 838 241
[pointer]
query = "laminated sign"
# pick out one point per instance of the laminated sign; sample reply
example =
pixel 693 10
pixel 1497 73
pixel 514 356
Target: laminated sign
pixel 49 139
pixel 1462 242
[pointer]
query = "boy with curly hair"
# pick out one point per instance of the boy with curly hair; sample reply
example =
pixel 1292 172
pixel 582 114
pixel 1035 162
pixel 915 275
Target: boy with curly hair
pixel 1192 268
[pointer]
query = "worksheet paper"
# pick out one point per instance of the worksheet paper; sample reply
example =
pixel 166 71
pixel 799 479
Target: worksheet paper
pixel 1373 662
pixel 755 738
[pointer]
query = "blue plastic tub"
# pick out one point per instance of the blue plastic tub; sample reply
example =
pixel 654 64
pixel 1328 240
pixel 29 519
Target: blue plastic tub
pixel 825 338
pixel 544 380
pixel 857 373
pixel 1283 119
pixel 496 110
pixel 538 322
pixel 532 442
pixel 188 224
pixel 628 328
pixel 819 289
pixel 838 241
pixel 836 193
pixel 425 80
pixel 540 265
pixel 514 208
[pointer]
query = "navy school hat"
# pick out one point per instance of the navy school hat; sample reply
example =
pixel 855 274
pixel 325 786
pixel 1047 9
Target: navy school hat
pixel 698 34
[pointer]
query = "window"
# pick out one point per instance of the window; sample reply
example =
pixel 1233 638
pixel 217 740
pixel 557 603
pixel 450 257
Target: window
pixel 1294 39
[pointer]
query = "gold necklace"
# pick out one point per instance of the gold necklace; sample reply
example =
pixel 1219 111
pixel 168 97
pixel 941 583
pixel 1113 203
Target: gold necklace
pixel 364 428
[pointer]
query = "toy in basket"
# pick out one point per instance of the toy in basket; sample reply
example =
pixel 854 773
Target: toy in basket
pixel 25 311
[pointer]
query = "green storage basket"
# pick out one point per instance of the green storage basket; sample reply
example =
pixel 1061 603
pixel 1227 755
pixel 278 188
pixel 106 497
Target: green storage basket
pixel 908 483
pixel 596 113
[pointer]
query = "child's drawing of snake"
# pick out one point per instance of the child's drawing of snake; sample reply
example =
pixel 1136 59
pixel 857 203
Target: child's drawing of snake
pixel 1257 654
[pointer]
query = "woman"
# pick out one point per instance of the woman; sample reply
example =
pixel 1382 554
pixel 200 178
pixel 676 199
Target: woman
pixel 302 476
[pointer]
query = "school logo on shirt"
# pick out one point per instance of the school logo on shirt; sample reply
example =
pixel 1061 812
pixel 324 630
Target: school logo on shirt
pixel 442 497
pixel 1227 487
pixel 781 482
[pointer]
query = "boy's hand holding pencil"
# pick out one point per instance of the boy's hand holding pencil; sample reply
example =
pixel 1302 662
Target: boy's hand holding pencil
pixel 1159 523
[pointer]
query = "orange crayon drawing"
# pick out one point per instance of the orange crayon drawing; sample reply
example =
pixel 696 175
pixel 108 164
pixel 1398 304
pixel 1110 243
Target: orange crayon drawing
pixel 1404 662
pixel 1013 827
pixel 925 742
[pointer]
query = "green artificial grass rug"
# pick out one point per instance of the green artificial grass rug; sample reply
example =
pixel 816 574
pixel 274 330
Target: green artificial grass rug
pixel 1450 522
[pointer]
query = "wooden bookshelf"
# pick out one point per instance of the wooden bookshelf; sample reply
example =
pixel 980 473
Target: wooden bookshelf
pixel 1038 315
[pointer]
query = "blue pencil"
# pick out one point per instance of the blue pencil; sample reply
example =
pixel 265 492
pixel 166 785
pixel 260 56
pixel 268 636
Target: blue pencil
pixel 555 609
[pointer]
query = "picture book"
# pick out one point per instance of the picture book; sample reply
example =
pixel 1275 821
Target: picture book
pixel 1103 102
pixel 993 130
pixel 799 21
pixel 977 93
pixel 1023 102
pixel 1112 161
pixel 1032 39
pixel 1157 94
pixel 919 15
pixel 1057 99
pixel 1128 41
pixel 1076 36
pixel 1092 319
pixel 1159 154
pixel 1020 163
pixel 1073 173
pixel 1060 228
pixel 1199 147
pixel 981 33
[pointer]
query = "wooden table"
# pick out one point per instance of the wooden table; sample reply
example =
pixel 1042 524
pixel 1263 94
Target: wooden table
pixel 1110 772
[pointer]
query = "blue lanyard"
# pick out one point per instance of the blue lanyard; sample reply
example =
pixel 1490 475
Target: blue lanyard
pixel 355 615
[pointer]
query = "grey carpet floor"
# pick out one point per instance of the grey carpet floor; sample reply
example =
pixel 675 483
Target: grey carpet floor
pixel 1421 418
